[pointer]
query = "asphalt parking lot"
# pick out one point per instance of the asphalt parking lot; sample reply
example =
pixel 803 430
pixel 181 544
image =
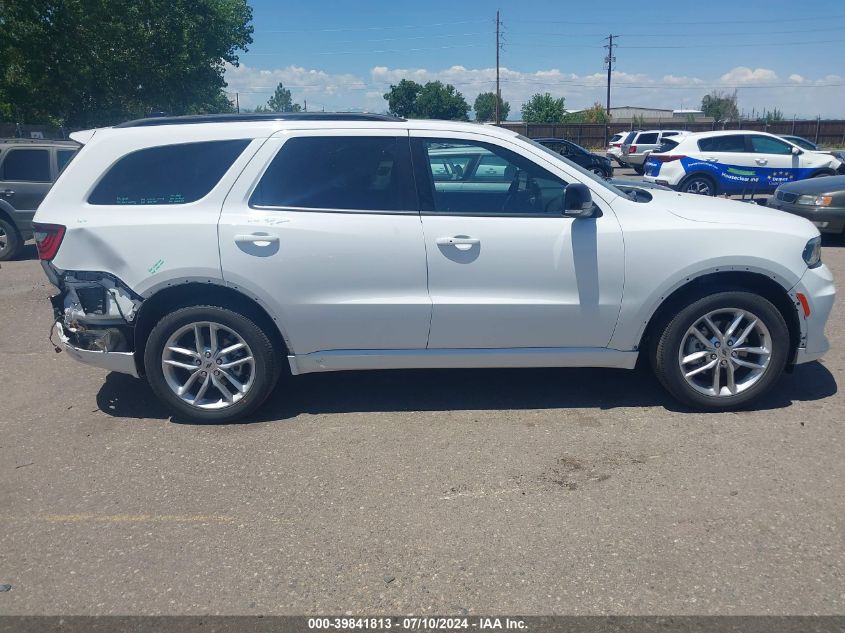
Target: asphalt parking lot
pixel 495 491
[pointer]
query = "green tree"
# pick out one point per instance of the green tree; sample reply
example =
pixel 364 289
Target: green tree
pixel 281 101
pixel 402 98
pixel 485 107
pixel 96 62
pixel 772 116
pixel 434 100
pixel 594 114
pixel 722 106
pixel 543 108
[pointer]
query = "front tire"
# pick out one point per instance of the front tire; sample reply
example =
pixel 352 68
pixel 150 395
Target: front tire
pixel 640 169
pixel 210 364
pixel 11 242
pixel 723 351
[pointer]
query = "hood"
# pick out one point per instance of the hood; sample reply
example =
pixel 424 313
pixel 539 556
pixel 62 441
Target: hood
pixel 724 211
pixel 825 184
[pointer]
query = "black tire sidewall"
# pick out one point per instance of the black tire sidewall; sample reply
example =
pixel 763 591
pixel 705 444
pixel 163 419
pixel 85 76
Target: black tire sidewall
pixel 14 241
pixel 708 180
pixel 266 363
pixel 665 354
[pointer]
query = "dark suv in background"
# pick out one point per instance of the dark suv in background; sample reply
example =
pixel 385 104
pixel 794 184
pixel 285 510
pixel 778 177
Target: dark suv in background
pixel 28 168
pixel 599 165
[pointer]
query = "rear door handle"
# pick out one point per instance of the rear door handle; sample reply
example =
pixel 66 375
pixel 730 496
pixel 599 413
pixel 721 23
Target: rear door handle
pixel 257 238
pixel 8 193
pixel 461 242
pixel 710 160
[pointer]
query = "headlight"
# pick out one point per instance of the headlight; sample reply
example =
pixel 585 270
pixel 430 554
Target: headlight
pixel 813 252
pixel 815 201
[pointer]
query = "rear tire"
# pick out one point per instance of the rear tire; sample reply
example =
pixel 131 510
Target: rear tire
pixel 223 364
pixel 640 169
pixel 719 371
pixel 11 242
pixel 700 185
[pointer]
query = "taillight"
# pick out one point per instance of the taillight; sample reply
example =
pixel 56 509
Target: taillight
pixel 616 144
pixel 666 158
pixel 632 149
pixel 48 238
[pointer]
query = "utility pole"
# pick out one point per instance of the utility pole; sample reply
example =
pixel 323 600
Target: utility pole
pixel 237 103
pixel 609 60
pixel 498 91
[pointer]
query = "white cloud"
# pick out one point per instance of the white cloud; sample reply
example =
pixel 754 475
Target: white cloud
pixel 759 88
pixel 745 75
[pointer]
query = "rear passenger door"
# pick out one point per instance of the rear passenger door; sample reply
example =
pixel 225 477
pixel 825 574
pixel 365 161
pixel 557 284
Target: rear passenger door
pixel 25 177
pixel 727 159
pixel 323 227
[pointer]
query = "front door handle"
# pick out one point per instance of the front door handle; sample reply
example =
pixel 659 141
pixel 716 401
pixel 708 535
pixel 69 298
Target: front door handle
pixel 761 161
pixel 259 239
pixel 8 193
pixel 461 242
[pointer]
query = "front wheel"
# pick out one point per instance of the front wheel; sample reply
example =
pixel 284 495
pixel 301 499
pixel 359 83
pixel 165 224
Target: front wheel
pixel 723 351
pixel 210 364
pixel 640 169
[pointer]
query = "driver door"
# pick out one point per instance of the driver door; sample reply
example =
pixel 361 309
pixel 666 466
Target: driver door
pixel 505 268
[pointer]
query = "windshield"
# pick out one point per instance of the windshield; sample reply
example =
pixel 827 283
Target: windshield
pixel 587 174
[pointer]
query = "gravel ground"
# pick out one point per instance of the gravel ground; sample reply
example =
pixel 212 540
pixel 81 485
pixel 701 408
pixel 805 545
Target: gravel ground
pixel 506 491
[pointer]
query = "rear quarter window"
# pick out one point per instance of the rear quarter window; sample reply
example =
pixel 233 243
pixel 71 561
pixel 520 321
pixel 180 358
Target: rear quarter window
pixel 167 174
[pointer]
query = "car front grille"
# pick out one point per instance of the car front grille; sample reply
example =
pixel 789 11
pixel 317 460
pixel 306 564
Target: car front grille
pixel 785 196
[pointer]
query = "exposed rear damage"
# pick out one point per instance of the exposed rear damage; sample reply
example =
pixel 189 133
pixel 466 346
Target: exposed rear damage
pixel 95 318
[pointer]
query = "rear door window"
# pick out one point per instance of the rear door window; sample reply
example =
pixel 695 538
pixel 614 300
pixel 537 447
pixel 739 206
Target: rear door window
pixel 769 145
pixel 167 174
pixel 730 143
pixel 355 173
pixel 26 165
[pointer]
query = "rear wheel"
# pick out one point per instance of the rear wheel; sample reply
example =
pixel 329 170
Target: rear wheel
pixel 10 240
pixel 598 171
pixel 640 169
pixel 210 364
pixel 722 351
pixel 701 185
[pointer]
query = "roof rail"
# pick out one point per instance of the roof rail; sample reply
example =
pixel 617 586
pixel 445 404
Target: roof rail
pixel 258 117
pixel 37 141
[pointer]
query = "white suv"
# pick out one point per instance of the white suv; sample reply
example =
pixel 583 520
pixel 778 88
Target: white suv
pixel 210 254
pixel 734 162
pixel 637 145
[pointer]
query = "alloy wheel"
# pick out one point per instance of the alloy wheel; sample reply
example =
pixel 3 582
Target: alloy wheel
pixel 699 186
pixel 4 239
pixel 208 365
pixel 725 352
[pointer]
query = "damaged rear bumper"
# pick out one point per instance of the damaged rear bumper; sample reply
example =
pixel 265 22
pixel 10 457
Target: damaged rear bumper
pixel 121 362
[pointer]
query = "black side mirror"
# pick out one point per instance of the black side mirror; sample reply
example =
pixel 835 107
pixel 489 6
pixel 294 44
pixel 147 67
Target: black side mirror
pixel 578 201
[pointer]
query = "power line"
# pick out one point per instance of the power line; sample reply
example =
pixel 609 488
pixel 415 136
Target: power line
pixel 385 50
pixel 650 20
pixel 373 28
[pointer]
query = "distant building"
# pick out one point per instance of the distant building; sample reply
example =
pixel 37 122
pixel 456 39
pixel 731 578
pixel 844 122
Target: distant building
pixel 626 114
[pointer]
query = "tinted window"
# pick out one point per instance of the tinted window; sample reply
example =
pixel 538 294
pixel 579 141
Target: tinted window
pixel 769 145
pixel 649 138
pixel 801 142
pixel 731 143
pixel 629 138
pixel 496 180
pixel 169 174
pixel 63 157
pixel 670 133
pixel 28 165
pixel 666 145
pixel 365 173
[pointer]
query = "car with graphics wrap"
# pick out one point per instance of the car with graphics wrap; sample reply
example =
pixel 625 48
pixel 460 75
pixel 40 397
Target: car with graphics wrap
pixel 734 162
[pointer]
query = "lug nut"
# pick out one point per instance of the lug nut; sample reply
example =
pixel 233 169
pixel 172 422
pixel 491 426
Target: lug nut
pixel 219 361
pixel 730 343
pixel 734 354
pixel 204 374
pixel 216 372
pixel 723 362
pixel 208 354
pixel 712 356
pixel 198 362
pixel 717 344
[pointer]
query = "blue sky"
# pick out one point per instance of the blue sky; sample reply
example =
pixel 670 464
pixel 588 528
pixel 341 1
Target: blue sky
pixel 344 55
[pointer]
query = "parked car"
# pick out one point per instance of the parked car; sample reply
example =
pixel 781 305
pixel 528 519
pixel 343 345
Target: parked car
pixel 735 162
pixel 820 200
pixel 28 169
pixel 614 148
pixel 599 165
pixel 639 143
pixel 209 254
pixel 801 142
